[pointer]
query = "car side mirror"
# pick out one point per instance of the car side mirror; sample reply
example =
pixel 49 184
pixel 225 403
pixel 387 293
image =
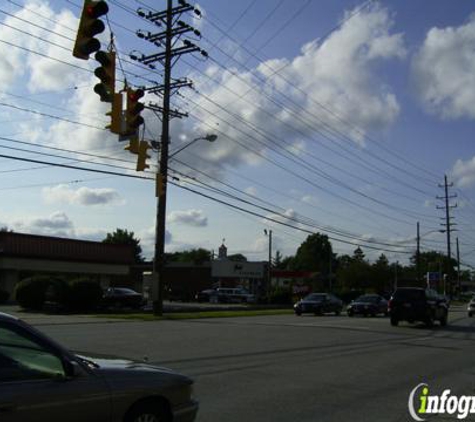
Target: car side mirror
pixel 72 369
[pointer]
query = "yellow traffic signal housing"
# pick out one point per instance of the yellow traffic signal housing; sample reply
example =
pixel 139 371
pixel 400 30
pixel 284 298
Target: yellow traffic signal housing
pixel 133 146
pixel 106 73
pixel 116 114
pixel 143 156
pixel 89 26
pixel 133 110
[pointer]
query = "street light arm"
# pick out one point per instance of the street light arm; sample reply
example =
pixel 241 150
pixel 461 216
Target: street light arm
pixel 209 138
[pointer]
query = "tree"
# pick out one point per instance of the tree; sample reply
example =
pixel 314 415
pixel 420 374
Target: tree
pixel 314 254
pixel 197 256
pixel 238 257
pixel 124 237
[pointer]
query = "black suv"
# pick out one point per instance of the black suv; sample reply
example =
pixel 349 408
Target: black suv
pixel 416 304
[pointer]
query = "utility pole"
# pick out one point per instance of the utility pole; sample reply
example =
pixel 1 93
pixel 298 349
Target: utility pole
pixel 458 267
pixel 269 269
pixel 167 39
pixel 448 225
pixel 418 255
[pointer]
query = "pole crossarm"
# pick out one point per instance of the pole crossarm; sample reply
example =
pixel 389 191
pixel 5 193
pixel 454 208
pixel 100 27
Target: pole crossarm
pixel 172 113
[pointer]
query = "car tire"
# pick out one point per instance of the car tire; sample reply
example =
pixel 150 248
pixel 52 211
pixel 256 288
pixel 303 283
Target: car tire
pixel 394 321
pixel 351 313
pixel 444 319
pixel 337 312
pixel 298 313
pixel 148 411
pixel 429 321
pixel 470 315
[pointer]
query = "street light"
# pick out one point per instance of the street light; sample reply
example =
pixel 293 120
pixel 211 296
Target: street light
pixel 209 138
pixel 269 269
pixel 161 183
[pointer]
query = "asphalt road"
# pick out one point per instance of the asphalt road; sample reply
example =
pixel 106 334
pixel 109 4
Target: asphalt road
pixel 288 368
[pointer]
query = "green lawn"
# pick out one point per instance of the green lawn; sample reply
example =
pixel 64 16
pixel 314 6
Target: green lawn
pixel 198 315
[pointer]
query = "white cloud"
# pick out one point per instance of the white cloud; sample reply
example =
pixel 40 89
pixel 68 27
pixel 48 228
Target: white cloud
pixel 444 71
pixel 310 199
pixel 56 224
pixel 339 72
pixel 194 218
pixel 463 173
pixel 82 196
pixel 251 190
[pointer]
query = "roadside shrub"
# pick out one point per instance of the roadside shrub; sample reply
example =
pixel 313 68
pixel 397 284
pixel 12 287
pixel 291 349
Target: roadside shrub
pixel 84 294
pixel 4 296
pixel 30 293
pixel 280 296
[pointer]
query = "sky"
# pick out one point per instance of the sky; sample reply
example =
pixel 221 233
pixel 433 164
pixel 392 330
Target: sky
pixel 335 116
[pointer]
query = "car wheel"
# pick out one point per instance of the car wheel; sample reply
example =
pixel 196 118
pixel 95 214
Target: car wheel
pixel 394 321
pixel 429 321
pixel 148 412
pixel 298 313
pixel 470 315
pixel 350 313
pixel 443 320
pixel 337 312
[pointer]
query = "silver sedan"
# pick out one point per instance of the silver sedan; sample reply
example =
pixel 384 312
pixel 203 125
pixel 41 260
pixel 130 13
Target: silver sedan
pixel 41 381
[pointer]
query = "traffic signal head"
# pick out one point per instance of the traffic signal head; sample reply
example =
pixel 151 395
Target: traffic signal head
pixel 89 26
pixel 143 156
pixel 116 114
pixel 133 146
pixel 106 73
pixel 134 108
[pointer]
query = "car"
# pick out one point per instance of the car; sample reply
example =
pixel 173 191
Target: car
pixel 471 307
pixel 370 304
pixel 318 304
pixel 122 297
pixel 205 295
pixel 41 381
pixel 418 304
pixel 232 295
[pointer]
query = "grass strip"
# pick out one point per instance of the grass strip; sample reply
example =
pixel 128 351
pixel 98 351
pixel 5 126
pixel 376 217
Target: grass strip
pixel 198 315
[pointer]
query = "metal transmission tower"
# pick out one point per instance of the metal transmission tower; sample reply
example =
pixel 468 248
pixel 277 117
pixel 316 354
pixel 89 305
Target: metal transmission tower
pixel 448 223
pixel 172 46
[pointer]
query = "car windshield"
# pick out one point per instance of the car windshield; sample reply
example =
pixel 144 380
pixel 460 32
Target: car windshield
pixel 368 299
pixel 123 291
pixel 315 297
pixel 410 294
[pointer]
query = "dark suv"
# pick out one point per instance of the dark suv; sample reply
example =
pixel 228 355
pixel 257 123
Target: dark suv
pixel 416 304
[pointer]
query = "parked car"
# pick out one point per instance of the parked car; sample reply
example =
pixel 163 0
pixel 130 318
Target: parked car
pixel 42 381
pixel 318 304
pixel 205 295
pixel 232 295
pixel 417 304
pixel 123 297
pixel 368 305
pixel 471 307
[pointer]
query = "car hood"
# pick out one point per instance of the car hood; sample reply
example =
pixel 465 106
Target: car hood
pixel 310 302
pixel 120 368
pixel 362 304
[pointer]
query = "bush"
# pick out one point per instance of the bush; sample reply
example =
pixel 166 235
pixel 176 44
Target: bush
pixel 280 296
pixel 4 296
pixel 84 294
pixel 30 293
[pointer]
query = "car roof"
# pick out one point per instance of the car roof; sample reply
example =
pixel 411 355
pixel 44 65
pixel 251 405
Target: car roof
pixel 9 317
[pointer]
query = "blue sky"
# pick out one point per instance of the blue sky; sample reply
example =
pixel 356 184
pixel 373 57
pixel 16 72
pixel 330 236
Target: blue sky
pixel 334 116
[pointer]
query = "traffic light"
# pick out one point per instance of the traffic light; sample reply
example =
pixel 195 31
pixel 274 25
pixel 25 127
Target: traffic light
pixel 116 114
pixel 133 110
pixel 133 146
pixel 89 26
pixel 143 156
pixel 106 73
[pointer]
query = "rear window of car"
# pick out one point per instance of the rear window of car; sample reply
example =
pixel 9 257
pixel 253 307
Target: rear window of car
pixel 409 294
